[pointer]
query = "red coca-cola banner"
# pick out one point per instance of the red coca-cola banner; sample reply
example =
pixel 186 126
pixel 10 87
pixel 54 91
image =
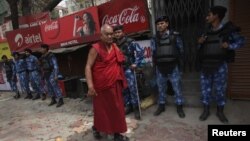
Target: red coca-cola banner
pixel 24 38
pixel 72 29
pixel 133 14
pixel 34 20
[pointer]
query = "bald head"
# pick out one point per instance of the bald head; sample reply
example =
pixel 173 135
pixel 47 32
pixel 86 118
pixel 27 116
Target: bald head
pixel 107 34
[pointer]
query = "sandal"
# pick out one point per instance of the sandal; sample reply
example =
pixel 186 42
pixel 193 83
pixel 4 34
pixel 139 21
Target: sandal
pixel 119 137
pixel 96 134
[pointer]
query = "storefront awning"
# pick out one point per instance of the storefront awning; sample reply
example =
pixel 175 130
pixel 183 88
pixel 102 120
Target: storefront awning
pixel 69 49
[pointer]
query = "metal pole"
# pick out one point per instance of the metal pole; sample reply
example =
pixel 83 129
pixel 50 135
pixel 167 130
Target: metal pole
pixel 153 17
pixel 137 93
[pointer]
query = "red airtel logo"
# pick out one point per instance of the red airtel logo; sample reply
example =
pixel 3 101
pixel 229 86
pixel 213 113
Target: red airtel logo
pixel 27 39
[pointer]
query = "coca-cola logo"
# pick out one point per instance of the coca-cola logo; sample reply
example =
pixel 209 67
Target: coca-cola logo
pixel 51 29
pixel 126 16
pixel 27 39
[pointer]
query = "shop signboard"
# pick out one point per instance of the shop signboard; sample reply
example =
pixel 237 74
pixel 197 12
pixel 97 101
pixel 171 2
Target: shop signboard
pixel 132 14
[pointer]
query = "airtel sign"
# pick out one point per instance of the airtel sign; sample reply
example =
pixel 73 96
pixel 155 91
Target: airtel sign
pixel 24 38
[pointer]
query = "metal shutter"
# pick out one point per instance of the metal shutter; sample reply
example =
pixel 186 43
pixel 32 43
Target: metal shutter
pixel 239 71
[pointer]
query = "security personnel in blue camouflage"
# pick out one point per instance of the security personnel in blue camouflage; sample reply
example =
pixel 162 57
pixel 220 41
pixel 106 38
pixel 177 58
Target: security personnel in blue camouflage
pixel 9 66
pixel 50 72
pixel 216 49
pixel 133 57
pixel 167 49
pixel 21 70
pixel 34 74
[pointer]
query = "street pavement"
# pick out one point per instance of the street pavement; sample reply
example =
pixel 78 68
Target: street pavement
pixel 28 120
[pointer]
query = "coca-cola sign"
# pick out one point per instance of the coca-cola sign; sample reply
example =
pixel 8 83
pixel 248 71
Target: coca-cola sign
pixel 51 29
pixel 130 13
pixel 72 29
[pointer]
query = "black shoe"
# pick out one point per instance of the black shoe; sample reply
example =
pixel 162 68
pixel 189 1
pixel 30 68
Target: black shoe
pixel 160 109
pixel 137 113
pixel 220 114
pixel 128 109
pixel 28 96
pixel 180 111
pixel 96 134
pixel 119 137
pixel 205 113
pixel 17 95
pixel 43 96
pixel 53 101
pixel 60 103
pixel 36 97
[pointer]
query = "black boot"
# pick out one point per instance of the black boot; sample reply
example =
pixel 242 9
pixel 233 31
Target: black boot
pixel 43 96
pixel 128 109
pixel 53 101
pixel 96 134
pixel 137 113
pixel 60 103
pixel 28 96
pixel 160 109
pixel 36 97
pixel 119 137
pixel 17 95
pixel 220 114
pixel 205 113
pixel 180 111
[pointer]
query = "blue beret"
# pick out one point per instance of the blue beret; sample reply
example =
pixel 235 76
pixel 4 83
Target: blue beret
pixel 162 18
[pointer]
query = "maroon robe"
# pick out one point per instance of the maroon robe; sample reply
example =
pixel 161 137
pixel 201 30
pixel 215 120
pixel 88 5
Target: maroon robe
pixel 109 80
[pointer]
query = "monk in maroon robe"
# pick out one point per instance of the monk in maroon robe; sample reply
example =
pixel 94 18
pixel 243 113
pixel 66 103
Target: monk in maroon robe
pixel 106 80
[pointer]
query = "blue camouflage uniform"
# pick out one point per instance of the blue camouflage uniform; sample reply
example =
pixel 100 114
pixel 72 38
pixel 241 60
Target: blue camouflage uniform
pixel 130 94
pixel 34 74
pixel 219 77
pixel 174 77
pixel 9 66
pixel 50 75
pixel 21 70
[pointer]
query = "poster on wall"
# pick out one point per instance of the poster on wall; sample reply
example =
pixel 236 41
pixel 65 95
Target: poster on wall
pixel 146 46
pixel 5 50
pixel 7 26
pixel 1 75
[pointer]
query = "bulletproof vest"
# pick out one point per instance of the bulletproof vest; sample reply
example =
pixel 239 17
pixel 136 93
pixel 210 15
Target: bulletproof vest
pixel 46 64
pixel 129 55
pixel 167 54
pixel 8 67
pixel 212 55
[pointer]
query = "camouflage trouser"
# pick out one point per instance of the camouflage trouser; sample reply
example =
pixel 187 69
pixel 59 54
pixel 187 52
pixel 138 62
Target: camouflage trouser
pixel 130 94
pixel 13 85
pixel 35 79
pixel 218 79
pixel 175 79
pixel 24 81
pixel 52 85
